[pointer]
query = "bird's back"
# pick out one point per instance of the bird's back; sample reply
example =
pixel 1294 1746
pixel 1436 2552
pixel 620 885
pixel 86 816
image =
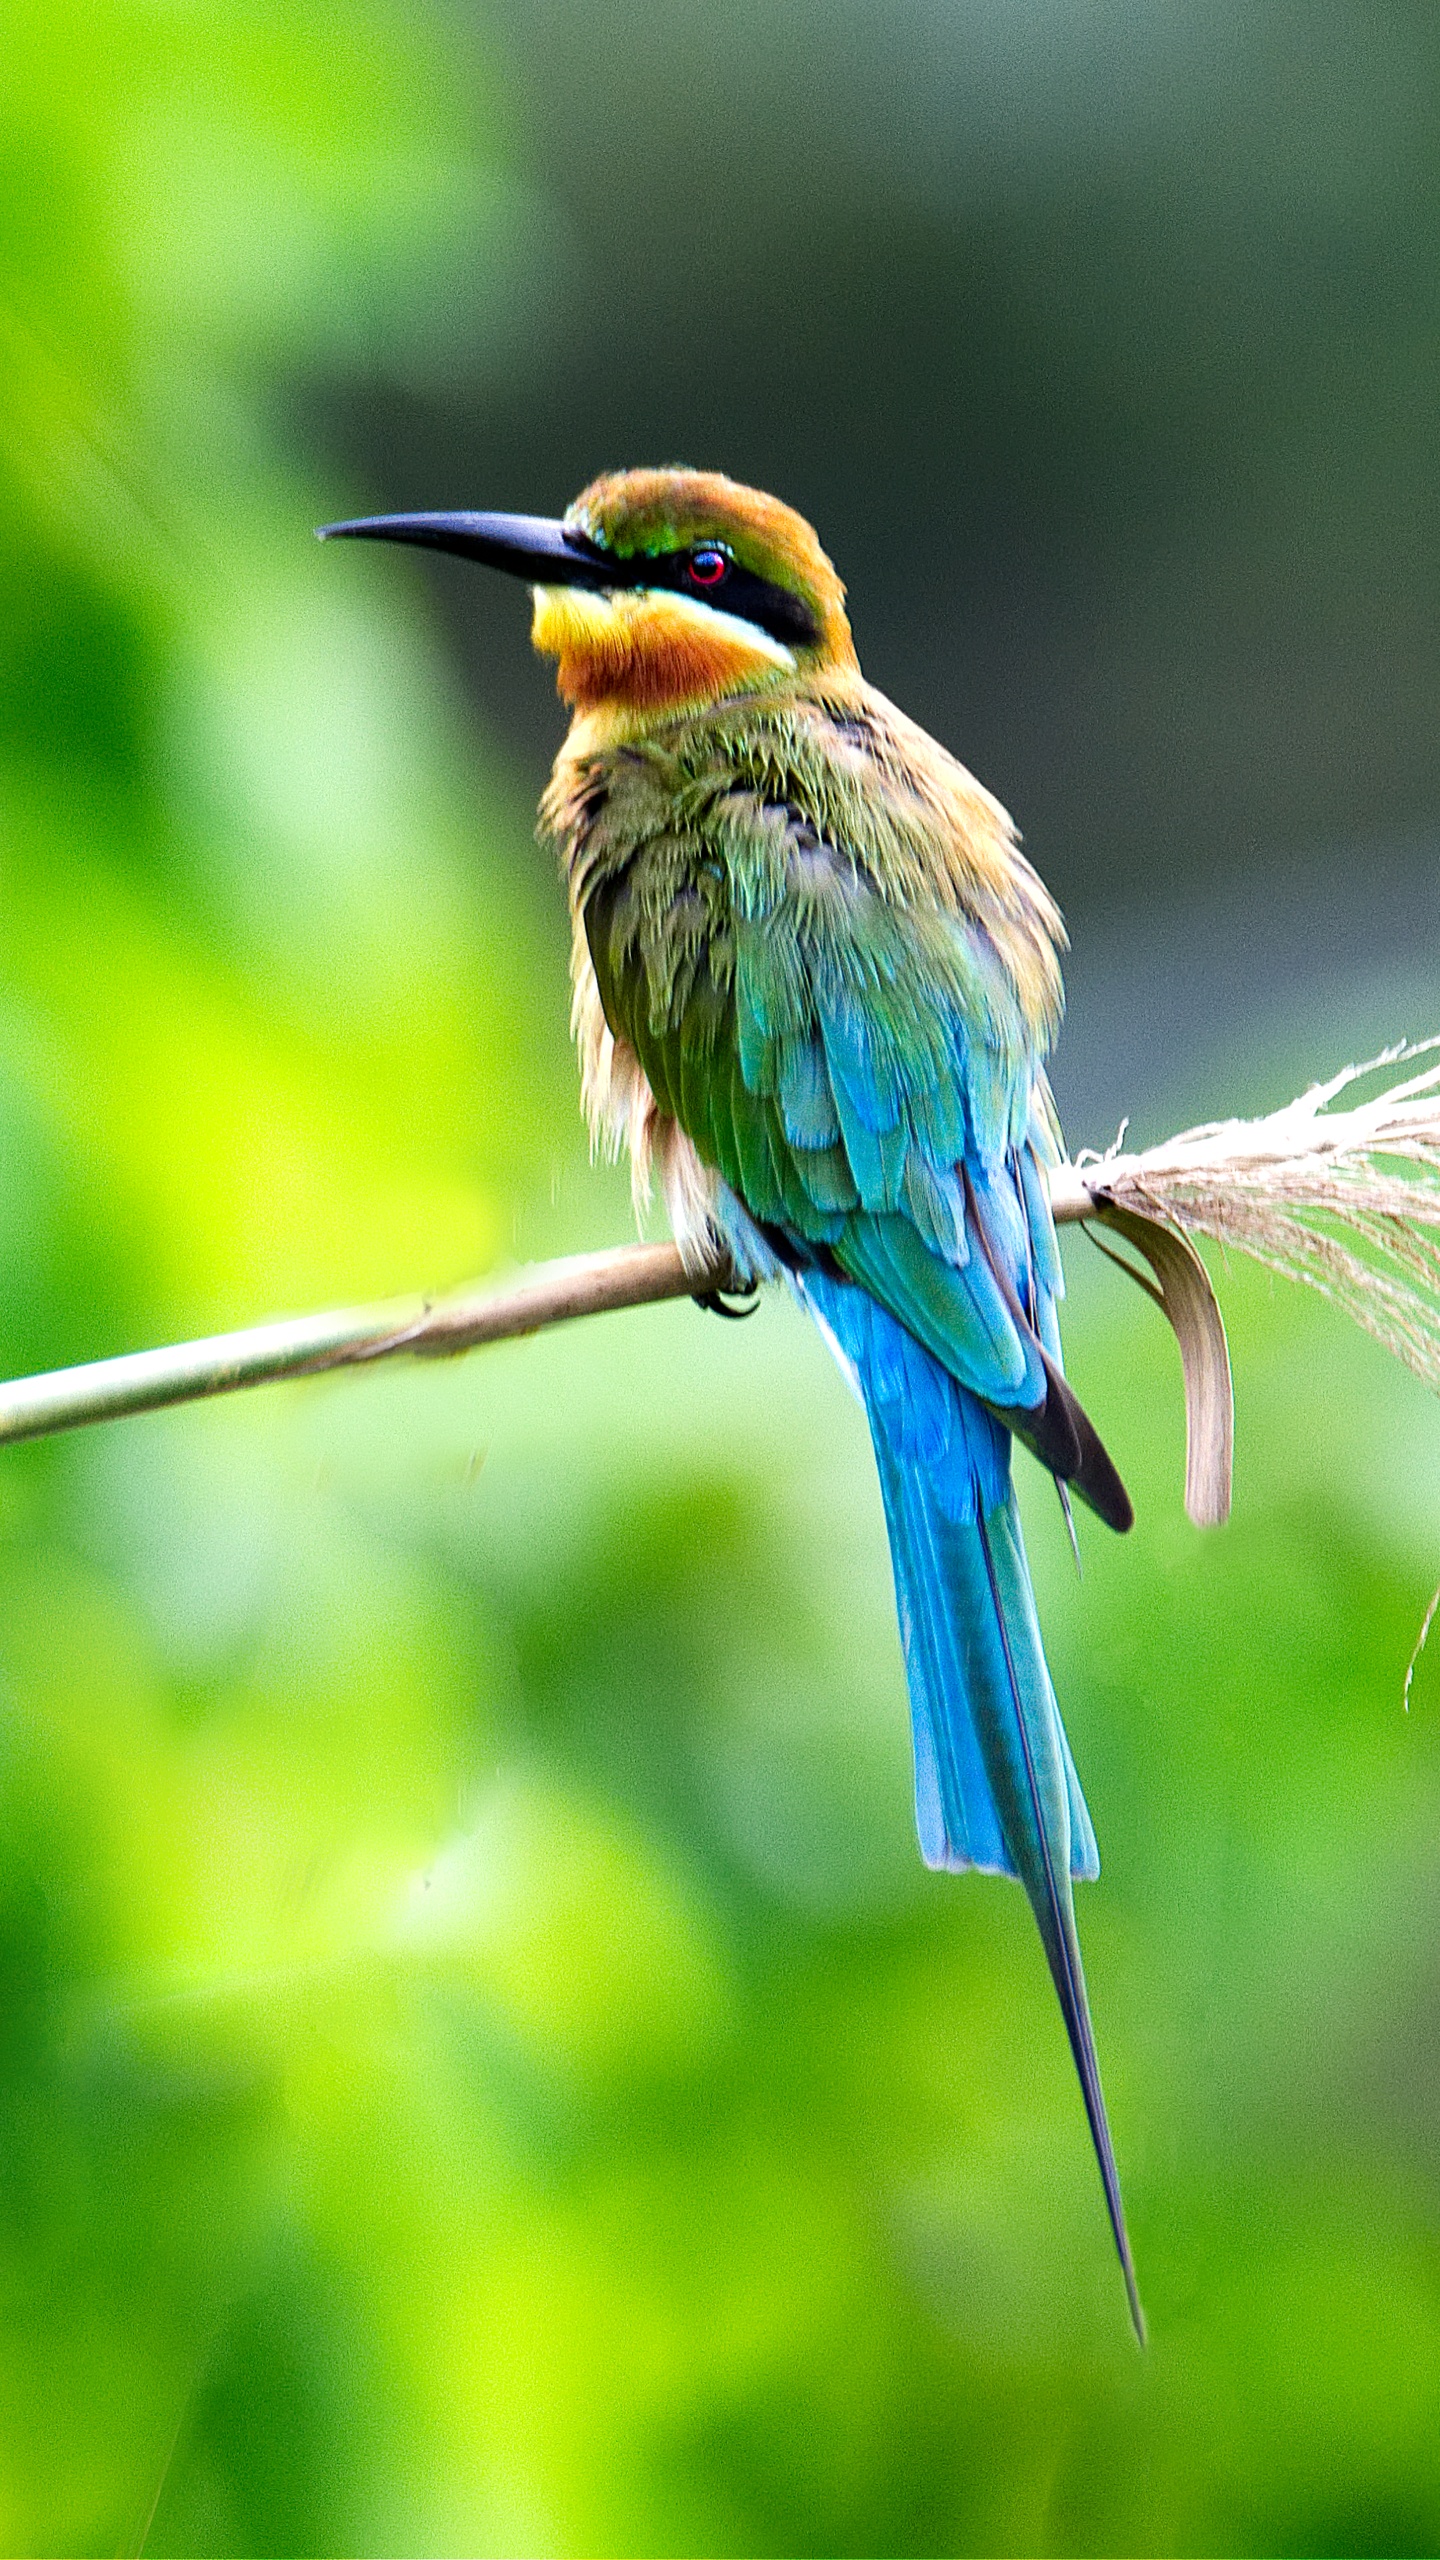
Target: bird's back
pixel 724 858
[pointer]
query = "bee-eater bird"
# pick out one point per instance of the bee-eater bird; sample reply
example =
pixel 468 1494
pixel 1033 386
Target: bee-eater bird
pixel 815 983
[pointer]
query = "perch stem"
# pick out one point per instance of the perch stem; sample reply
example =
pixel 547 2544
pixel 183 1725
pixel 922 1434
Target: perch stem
pixel 583 1284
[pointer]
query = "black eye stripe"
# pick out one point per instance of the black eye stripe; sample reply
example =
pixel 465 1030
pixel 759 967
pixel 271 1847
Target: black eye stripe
pixel 785 616
pixel 757 600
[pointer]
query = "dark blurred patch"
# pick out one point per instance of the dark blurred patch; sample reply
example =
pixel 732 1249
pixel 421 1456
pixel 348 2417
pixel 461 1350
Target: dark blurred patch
pixel 1115 414
pixel 78 670
pixel 276 2449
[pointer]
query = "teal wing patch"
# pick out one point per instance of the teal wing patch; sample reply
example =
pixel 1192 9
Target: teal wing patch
pixel 859 1072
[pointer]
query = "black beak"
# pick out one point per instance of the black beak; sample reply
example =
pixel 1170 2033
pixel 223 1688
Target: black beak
pixel 538 548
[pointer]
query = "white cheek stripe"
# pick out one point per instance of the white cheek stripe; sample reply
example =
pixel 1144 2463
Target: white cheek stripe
pixel 707 618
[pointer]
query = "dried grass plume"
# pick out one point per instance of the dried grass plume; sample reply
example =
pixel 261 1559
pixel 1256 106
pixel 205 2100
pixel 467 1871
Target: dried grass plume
pixel 1345 1200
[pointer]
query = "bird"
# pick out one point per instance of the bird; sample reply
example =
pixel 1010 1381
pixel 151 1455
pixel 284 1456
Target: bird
pixel 815 984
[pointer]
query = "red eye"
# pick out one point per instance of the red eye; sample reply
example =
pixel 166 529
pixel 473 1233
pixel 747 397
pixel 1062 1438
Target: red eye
pixel 708 566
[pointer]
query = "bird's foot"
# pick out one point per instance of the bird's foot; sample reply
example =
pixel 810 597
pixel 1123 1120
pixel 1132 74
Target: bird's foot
pixel 717 1302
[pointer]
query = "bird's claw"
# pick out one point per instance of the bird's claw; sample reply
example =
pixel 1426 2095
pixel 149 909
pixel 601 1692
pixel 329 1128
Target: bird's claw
pixel 716 1303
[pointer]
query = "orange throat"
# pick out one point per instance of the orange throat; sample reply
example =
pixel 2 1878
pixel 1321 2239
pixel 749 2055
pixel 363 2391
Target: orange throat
pixel 641 651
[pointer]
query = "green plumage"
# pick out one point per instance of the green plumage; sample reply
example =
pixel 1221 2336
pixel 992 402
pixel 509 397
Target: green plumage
pixel 754 899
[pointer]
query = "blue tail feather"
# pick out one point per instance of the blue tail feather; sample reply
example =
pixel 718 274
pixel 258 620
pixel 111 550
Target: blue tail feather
pixel 944 1461
pixel 995 1784
pixel 955 1811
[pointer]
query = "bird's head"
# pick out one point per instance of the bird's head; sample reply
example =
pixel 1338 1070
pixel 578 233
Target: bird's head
pixel 660 590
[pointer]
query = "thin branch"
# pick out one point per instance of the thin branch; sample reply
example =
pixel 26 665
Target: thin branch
pixel 1346 1200
pixel 549 1293
pixel 584 1284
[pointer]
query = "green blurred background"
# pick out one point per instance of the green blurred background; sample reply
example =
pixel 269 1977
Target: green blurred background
pixel 482 2068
